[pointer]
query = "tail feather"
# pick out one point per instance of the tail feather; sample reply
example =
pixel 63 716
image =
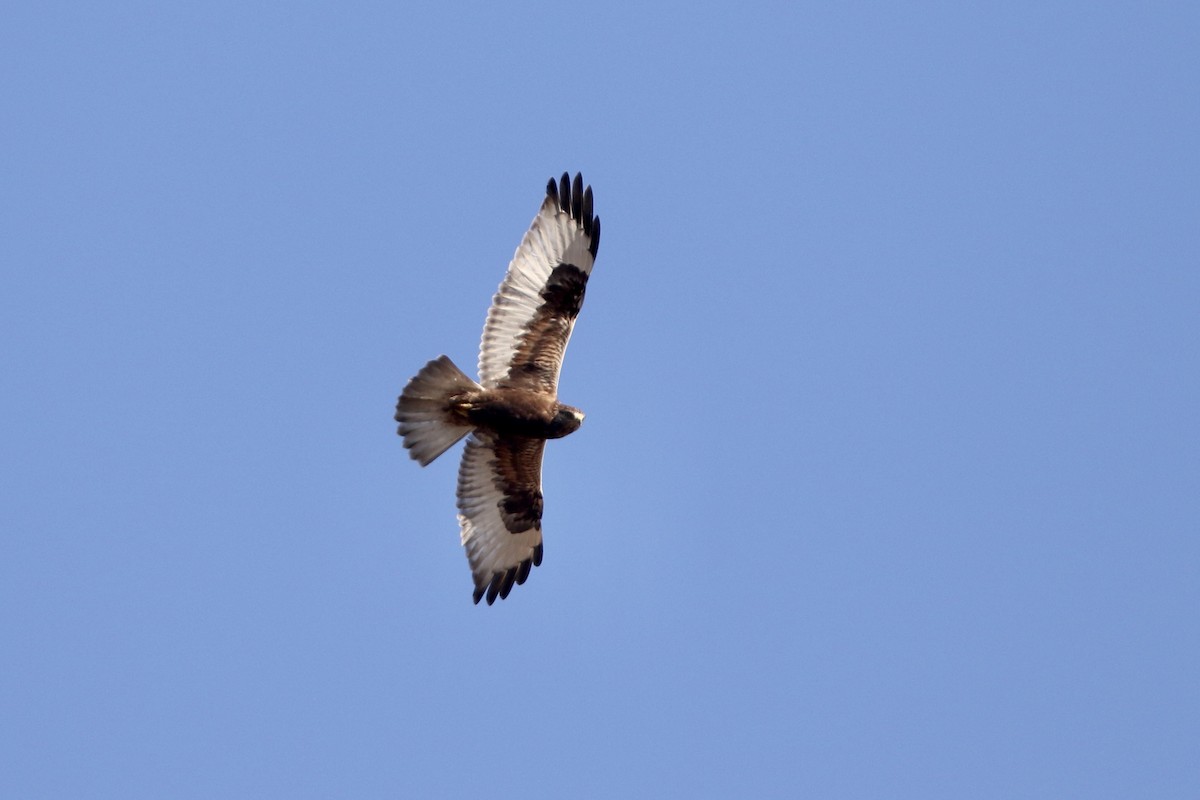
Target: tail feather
pixel 428 427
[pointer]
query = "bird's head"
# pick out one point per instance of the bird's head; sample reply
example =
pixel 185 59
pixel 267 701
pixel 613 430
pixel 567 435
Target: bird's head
pixel 567 420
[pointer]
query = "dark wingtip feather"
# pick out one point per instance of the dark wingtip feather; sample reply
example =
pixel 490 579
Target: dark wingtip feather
pixel 586 216
pixel 478 594
pixel 506 583
pixel 523 572
pixel 594 247
pixel 537 555
pixel 564 193
pixel 577 197
pixel 552 191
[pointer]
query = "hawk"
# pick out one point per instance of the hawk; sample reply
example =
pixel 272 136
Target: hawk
pixel 513 409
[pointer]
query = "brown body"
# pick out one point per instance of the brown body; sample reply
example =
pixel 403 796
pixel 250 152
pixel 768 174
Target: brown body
pixel 516 412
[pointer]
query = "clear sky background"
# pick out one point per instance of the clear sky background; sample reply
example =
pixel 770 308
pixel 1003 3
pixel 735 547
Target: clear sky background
pixel 890 480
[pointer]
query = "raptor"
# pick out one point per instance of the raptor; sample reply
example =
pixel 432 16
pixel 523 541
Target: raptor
pixel 513 408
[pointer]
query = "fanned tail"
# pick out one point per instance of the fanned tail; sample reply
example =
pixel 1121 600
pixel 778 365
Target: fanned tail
pixel 423 411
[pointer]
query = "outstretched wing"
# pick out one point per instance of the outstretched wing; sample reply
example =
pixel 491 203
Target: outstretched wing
pixel 533 312
pixel 500 505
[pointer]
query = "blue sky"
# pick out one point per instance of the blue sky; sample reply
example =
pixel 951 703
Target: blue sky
pixel 890 480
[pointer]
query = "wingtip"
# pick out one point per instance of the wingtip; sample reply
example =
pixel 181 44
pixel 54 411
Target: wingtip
pixel 575 199
pixel 501 583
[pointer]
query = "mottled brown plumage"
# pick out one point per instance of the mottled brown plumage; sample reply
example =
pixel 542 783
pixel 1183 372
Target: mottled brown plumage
pixel 514 408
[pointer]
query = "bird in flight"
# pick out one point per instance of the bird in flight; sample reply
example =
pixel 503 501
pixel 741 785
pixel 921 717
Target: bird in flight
pixel 513 409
